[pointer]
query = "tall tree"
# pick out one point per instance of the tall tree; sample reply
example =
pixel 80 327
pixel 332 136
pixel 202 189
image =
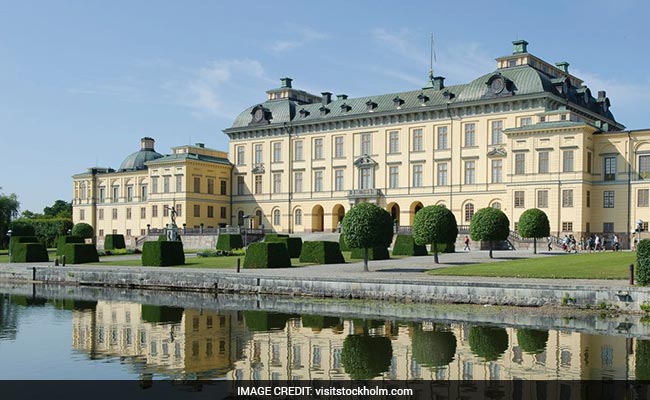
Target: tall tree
pixel 367 225
pixel 433 225
pixel 60 209
pixel 534 223
pixel 9 206
pixel 489 224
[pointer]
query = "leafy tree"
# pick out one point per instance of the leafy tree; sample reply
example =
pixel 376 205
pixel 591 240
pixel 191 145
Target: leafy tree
pixel 367 225
pixel 433 348
pixel 534 223
pixel 489 224
pixel 487 342
pixel 84 230
pixel 60 209
pixel 9 206
pixel 433 225
pixel 365 357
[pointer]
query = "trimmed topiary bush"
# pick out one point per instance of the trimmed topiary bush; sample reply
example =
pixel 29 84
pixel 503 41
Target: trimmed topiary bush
pixel 267 255
pixel 318 322
pixel 642 360
pixel 274 236
pixel 488 343
pixel 84 230
pixel 29 252
pixel 61 241
pixel 262 321
pixel 15 241
pixel 433 348
pixel 531 340
pixel 534 223
pixel 365 357
pixel 374 253
pixel 342 245
pixel 643 260
pixel 405 246
pixel 112 242
pixel 368 226
pixel 489 224
pixel 80 253
pixel 446 247
pixel 229 242
pixel 435 225
pixel 294 244
pixel 161 314
pixel 321 252
pixel 162 254
pixel 162 238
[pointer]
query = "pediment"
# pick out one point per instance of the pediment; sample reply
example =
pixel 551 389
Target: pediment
pixel 364 160
pixel 497 152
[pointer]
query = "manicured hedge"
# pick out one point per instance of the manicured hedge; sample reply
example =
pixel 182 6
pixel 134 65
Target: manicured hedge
pixel 15 241
pixel 342 245
pixel 321 252
pixel 273 236
pixel 161 314
pixel 63 240
pixel 162 254
pixel 112 242
pixel 229 242
pixel 318 322
pixel 374 253
pixel 80 253
pixel 29 252
pixel 405 246
pixel 294 244
pixel 262 321
pixel 267 255
pixel 162 238
pixel 643 259
pixel 47 230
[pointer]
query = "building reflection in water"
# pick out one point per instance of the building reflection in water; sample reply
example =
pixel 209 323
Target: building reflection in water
pixel 255 345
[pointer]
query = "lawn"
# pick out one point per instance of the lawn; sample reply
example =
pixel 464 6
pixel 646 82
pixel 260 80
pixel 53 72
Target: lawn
pixel 608 265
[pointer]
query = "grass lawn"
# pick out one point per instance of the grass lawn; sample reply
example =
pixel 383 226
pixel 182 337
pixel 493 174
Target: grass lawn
pixel 607 265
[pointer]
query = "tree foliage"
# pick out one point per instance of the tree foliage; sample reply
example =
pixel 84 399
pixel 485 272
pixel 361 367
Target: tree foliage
pixel 60 209
pixel 533 223
pixel 9 206
pixel 433 225
pixel 435 348
pixel 365 357
pixel 532 340
pixel 489 224
pixel 487 342
pixel 84 230
pixel 367 225
pixel 643 259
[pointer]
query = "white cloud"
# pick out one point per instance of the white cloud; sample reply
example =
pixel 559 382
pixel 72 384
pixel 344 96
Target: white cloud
pixel 301 36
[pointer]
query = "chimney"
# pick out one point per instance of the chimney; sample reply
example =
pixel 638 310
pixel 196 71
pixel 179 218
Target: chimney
pixel 563 66
pixel 602 94
pixel 438 82
pixel 146 143
pixel 341 97
pixel 327 97
pixel 200 145
pixel 286 82
pixel 519 46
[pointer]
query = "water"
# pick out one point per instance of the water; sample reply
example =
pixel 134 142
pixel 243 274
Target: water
pixel 105 339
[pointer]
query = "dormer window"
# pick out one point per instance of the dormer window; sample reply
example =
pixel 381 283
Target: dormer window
pixel 371 105
pixel 345 107
pixel 398 102
pixel 324 110
pixel 260 115
pixel 448 95
pixel 303 113
pixel 423 98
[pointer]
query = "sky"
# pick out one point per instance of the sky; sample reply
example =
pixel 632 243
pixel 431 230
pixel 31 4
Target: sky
pixel 82 81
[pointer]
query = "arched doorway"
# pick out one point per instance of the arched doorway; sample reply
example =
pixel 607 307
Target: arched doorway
pixel 393 210
pixel 317 218
pixel 337 216
pixel 257 221
pixel 415 207
pixel 240 218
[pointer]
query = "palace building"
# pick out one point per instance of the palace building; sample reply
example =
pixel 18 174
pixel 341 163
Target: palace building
pixel 528 134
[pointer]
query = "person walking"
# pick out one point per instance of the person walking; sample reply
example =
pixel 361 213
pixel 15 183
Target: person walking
pixel 467 244
pixel 616 245
pixel 550 243
pixel 597 243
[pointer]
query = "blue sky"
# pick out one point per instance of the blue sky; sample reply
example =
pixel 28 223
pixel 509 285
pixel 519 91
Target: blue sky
pixel 82 81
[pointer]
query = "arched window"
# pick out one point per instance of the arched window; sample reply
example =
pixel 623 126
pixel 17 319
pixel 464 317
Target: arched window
pixel 298 217
pixel 469 212
pixel 240 218
pixel 258 215
pixel 496 205
pixel 276 217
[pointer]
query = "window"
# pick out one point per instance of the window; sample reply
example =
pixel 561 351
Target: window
pixel 525 121
pixel 82 191
pixel 642 197
pixel 588 162
pixel 608 199
pixel 542 198
pixel 393 142
pixel 338 146
pixel 543 162
pixel 100 213
pixel 240 185
pixel 417 140
pixel 179 210
pixel 143 212
pixel 143 193
pixel 240 155
pixel 520 163
pixel 496 205
pixel 82 214
pixel 258 154
pixel 223 187
pixel 277 152
pixel 154 184
pixel 223 212
pixel 128 213
pixel 443 141
pixel 470 169
pixel 610 168
pixel 166 184
pixel 210 186
pixel 442 174
pixel 519 199
pixel 608 227
pixel 567 226
pixel 417 176
pixel 497 171
pixel 210 211
pixel 469 212
pixel 197 184
pixel 102 194
pixel 297 153
pixel 154 211
pixel 318 149
pixel 197 210
pixel 179 183
pixel 393 177
pixel 567 198
pixel 366 147
pixel 258 184
pixel 365 178
pixel 318 181
pixel 297 186
pixel 277 183
pixel 338 179
pixel 101 233
pixel 567 161
pixel 470 135
pixel 497 132
pixel 165 211
pixel 276 217
pixel 116 194
pixel 114 213
pixel 129 193
pixel 298 217
pixel 588 200
pixel 644 167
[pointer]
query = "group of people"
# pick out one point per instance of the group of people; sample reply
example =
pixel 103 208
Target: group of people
pixel 592 243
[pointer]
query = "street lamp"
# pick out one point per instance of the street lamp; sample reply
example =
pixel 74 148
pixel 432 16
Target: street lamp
pixel 9 232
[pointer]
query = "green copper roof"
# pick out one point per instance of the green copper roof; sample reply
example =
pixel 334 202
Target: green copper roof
pixel 136 161
pixel 188 156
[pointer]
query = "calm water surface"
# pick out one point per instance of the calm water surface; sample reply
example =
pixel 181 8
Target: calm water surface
pixel 66 339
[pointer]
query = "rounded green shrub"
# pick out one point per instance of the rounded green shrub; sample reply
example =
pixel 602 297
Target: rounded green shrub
pixel 487 342
pixel 321 252
pixel 113 242
pixel 367 226
pixel 489 224
pixel 162 254
pixel 342 245
pixel 532 340
pixel 84 230
pixel 433 348
pixel 267 255
pixel 405 246
pixel 365 357
pixel 435 225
